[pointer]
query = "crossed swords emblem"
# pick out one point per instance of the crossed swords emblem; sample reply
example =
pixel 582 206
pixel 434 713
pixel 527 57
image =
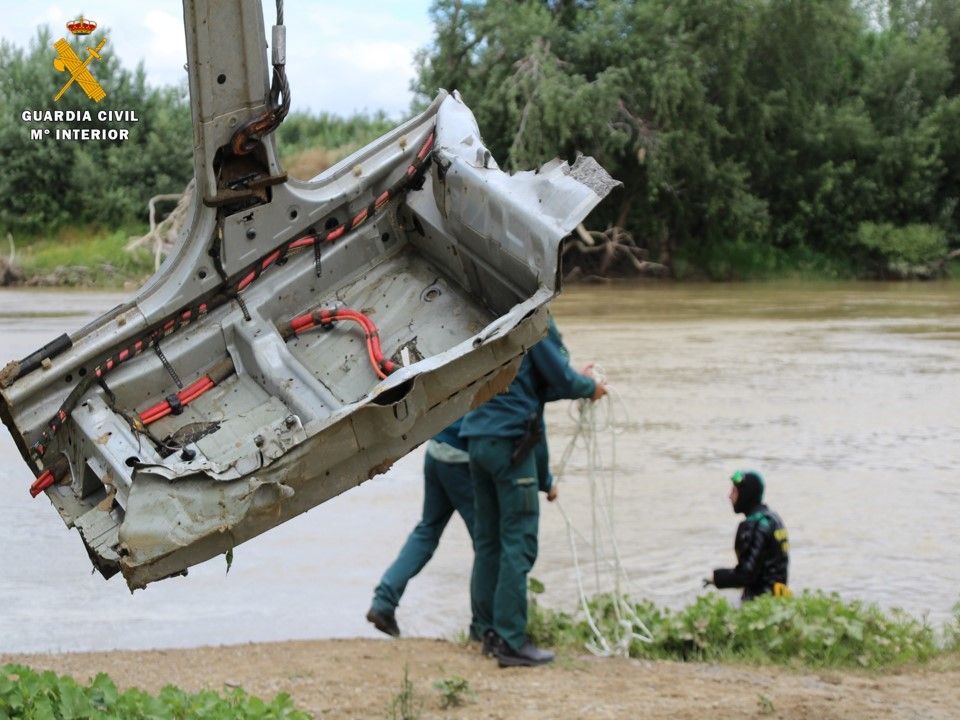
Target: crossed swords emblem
pixel 69 61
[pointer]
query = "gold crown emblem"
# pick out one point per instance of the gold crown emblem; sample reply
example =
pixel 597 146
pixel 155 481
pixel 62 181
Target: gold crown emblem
pixel 81 26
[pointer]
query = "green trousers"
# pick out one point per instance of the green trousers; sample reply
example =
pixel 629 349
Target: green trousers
pixel 447 487
pixel 506 522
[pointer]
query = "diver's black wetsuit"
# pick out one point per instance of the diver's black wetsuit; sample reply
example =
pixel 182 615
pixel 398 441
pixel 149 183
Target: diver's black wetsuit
pixel 762 554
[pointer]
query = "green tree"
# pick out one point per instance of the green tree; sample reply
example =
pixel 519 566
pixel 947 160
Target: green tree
pixel 48 183
pixel 749 134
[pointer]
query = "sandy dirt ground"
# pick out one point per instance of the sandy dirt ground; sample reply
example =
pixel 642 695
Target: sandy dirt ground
pixel 359 678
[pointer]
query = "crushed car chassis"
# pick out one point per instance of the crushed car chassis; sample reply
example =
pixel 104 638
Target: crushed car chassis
pixel 302 336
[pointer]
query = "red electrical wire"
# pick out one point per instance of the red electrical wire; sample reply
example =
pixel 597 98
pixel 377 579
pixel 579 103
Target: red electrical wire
pixel 50 476
pixel 185 396
pixel 337 232
pixel 44 481
pixel 326 317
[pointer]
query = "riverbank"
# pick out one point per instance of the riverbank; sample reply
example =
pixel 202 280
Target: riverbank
pixel 78 257
pixel 359 678
pixel 92 258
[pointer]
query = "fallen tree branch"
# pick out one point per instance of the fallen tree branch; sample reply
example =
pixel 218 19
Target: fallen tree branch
pixel 593 256
pixel 584 235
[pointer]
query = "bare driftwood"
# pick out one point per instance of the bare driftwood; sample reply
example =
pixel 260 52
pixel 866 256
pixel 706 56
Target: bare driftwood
pixel 930 270
pixel 162 236
pixel 597 256
pixel 10 273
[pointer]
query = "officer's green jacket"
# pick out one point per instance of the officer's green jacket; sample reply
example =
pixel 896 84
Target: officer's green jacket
pixel 544 375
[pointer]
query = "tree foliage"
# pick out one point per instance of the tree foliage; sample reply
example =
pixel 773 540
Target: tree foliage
pixel 47 183
pixel 766 130
pixel 753 137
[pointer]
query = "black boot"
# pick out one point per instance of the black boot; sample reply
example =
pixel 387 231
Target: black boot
pixel 384 622
pixel 491 643
pixel 527 655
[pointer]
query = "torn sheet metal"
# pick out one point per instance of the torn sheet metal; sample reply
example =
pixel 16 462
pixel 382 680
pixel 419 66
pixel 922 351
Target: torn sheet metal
pixel 455 269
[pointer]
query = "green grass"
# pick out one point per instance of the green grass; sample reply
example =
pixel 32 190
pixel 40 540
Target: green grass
pixel 86 257
pixel 810 630
pixel 32 695
pixel 744 261
pixel 406 704
pixel 953 269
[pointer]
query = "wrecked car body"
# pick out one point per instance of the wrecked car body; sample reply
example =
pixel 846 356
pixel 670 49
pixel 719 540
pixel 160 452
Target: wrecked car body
pixel 302 336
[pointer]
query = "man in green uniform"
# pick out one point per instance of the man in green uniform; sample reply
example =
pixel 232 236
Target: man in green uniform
pixel 508 463
pixel 446 487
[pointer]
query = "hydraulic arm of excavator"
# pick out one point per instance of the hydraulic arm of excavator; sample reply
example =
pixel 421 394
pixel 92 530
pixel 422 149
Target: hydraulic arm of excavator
pixel 302 335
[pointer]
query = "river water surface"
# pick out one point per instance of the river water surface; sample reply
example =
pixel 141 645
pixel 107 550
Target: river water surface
pixel 846 397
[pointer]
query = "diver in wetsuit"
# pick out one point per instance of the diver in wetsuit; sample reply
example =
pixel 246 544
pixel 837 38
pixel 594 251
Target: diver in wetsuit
pixel 761 544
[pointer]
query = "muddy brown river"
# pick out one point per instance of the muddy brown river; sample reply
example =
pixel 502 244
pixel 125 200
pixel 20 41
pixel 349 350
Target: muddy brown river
pixel 845 396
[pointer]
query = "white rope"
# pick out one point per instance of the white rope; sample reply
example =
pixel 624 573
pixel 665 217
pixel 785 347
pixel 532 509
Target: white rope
pixel 594 421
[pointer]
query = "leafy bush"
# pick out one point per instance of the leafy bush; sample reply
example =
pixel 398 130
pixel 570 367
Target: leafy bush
pixel 952 631
pixel 554 628
pixel 25 693
pixel 813 629
pixel 453 691
pixel 901 250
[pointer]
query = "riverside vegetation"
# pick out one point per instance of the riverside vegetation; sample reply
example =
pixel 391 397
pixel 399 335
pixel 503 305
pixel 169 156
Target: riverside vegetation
pixel 813 629
pixel 32 695
pixel 27 694
pixel 754 138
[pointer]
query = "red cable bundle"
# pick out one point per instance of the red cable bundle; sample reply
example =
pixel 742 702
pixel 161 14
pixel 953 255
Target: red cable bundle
pixel 323 318
pixel 185 396
pixel 50 476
